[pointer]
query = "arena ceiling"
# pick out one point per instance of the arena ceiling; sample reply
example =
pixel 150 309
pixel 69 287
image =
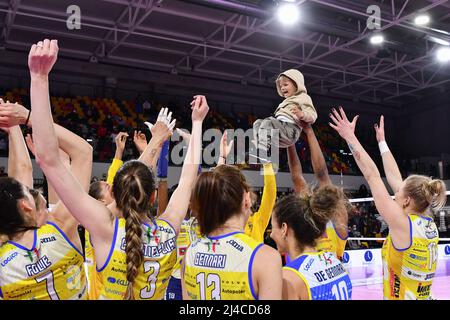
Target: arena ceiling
pixel 243 41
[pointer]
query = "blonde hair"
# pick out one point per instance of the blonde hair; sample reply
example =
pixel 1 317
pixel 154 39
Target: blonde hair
pixel 427 193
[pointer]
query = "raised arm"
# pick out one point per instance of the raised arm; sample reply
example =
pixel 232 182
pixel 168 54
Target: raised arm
pixel 52 195
pixel 19 162
pixel 225 149
pixel 340 219
pixel 117 162
pixel 140 141
pixel 391 212
pixel 80 153
pixel 317 159
pixel 295 167
pixel 152 151
pixel 269 196
pixel 393 175
pixel 179 202
pixel 92 214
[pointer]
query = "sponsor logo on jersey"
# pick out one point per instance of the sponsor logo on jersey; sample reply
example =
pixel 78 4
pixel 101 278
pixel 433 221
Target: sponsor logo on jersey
pixel 394 284
pixel 9 259
pixel 166 230
pixel 414 275
pixel 429 276
pixel 120 282
pixel 308 264
pixel 112 291
pixel 423 290
pixel 48 239
pixel 118 270
pixel 236 245
pixel 416 257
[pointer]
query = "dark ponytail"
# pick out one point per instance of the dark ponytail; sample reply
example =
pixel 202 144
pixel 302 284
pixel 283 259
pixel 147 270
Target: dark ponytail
pixel 12 221
pixel 308 214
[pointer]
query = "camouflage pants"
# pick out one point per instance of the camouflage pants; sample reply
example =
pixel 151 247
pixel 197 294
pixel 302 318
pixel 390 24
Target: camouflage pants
pixel 288 133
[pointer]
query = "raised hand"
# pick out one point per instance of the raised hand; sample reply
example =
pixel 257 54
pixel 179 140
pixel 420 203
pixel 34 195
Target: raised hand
pixel 225 148
pixel 379 130
pixel 121 140
pixel 140 141
pixel 165 117
pixel 341 124
pixel 42 57
pixel 161 132
pixel 199 108
pixel 12 114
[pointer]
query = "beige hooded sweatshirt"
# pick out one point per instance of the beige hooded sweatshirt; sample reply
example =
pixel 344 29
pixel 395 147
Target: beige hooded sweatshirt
pixel 300 99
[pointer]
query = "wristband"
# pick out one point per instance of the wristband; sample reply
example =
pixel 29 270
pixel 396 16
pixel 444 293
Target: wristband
pixel 383 147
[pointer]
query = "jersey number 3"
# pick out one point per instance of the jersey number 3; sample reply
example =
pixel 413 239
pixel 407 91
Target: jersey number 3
pixel 149 291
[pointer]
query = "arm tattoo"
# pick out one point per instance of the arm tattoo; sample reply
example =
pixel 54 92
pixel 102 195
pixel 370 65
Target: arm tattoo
pixel 355 152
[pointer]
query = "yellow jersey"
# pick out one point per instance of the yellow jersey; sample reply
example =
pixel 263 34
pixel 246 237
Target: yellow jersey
pixel 331 241
pixel 52 269
pixel 257 223
pixel 220 268
pixel 189 232
pixel 93 277
pixel 408 273
pixel 159 249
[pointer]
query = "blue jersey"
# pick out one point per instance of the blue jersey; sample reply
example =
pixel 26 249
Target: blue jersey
pixel 324 276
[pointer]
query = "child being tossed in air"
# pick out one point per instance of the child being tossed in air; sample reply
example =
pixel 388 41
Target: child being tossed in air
pixel 297 106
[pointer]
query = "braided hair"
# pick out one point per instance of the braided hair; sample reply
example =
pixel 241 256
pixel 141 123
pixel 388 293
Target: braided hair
pixel 133 187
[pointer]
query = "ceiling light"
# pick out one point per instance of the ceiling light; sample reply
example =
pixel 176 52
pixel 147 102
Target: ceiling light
pixel 288 13
pixel 422 20
pixel 377 39
pixel 443 54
